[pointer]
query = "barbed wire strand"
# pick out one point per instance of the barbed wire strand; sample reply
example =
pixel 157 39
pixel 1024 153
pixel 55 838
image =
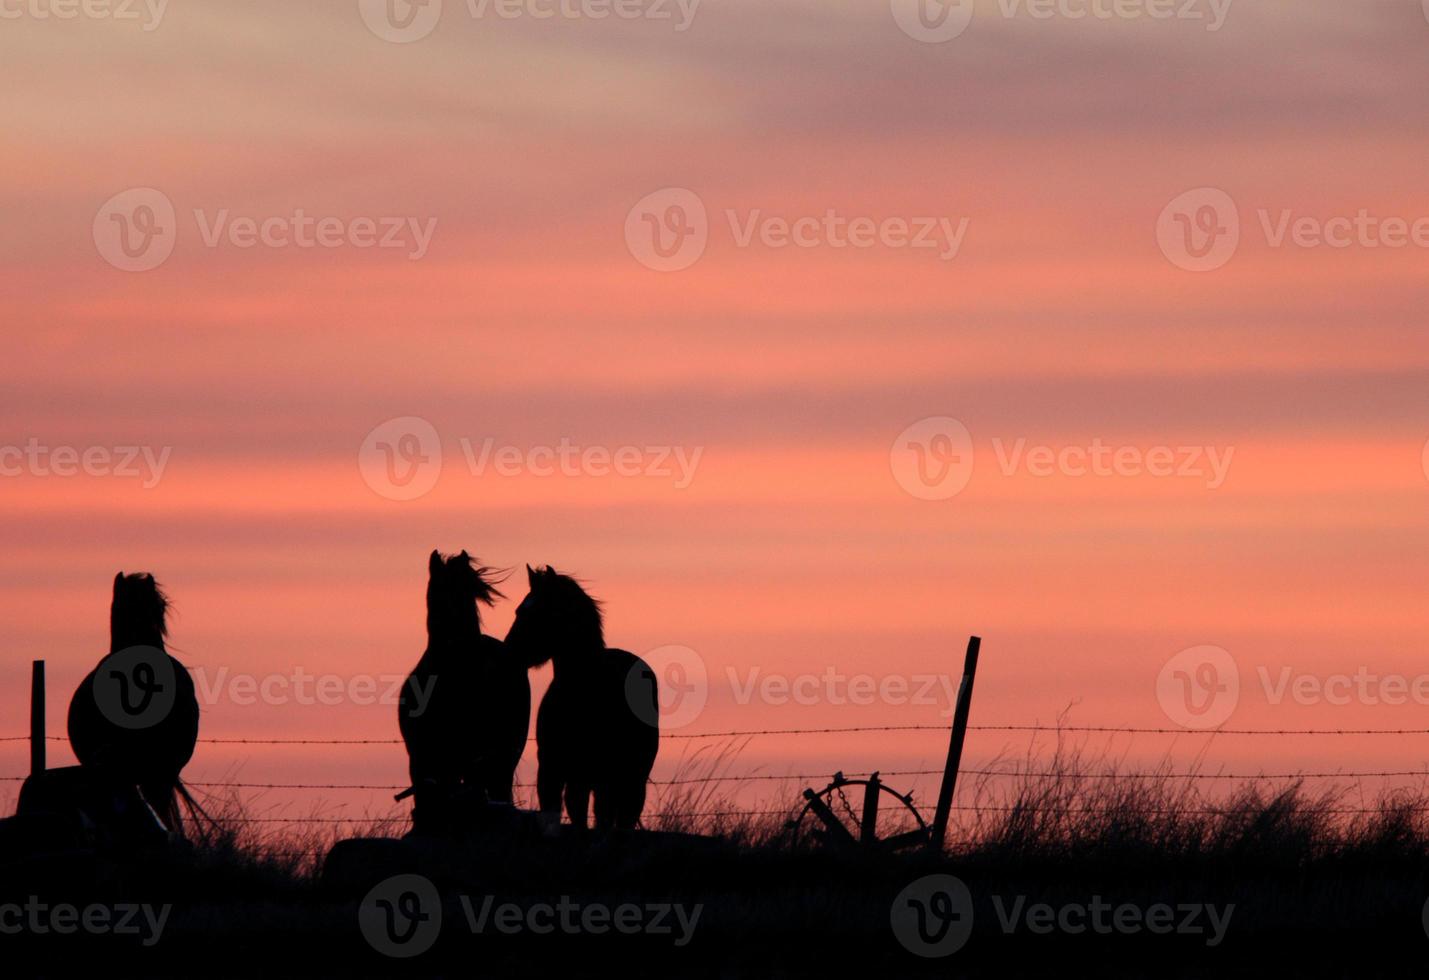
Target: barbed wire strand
pixel 804 777
pixel 1074 729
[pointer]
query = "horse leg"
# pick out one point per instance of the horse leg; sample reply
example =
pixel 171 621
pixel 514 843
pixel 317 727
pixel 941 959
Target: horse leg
pixel 577 804
pixel 626 800
pixel 632 804
pixel 498 785
pixel 605 805
pixel 550 782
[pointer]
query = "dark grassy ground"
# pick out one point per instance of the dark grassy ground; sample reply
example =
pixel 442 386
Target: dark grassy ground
pixel 1316 890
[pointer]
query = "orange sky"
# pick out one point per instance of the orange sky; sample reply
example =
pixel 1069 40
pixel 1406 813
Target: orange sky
pixel 258 372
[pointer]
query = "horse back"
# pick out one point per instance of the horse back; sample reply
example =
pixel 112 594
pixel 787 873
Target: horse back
pixel 607 712
pixel 459 700
pixel 639 721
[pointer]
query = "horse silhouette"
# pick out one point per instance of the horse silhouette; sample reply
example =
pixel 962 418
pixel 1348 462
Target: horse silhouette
pixel 465 708
pixel 597 730
pixel 134 718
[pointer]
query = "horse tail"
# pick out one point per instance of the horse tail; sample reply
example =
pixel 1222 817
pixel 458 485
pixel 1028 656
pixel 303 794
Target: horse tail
pixel 196 812
pixel 165 798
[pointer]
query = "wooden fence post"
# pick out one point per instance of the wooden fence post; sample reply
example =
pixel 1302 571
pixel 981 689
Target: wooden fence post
pixel 955 747
pixel 869 825
pixel 37 718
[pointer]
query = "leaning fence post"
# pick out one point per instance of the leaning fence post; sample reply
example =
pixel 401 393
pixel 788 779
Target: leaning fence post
pixel 37 718
pixel 955 747
pixel 868 827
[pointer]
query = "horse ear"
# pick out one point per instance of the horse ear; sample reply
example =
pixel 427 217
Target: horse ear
pixel 434 563
pixel 465 555
pixel 530 576
pixel 118 579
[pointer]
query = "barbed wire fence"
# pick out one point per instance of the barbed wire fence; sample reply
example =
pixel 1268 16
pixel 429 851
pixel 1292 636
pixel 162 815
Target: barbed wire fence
pixel 1059 729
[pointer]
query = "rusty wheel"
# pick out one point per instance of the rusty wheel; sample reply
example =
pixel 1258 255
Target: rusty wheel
pixel 829 817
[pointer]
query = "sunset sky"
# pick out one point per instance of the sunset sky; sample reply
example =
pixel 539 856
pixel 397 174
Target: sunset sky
pixel 527 147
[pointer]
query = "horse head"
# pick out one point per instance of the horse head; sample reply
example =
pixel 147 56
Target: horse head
pixel 455 584
pixel 557 618
pixel 138 616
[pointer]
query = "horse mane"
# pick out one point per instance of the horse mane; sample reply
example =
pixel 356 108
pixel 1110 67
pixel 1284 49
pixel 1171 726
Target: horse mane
pixel 480 579
pixel 139 610
pixel 585 609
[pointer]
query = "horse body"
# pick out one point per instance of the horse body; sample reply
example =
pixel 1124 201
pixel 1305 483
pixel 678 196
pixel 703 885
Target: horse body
pixel 152 751
pixel 466 706
pixel 597 731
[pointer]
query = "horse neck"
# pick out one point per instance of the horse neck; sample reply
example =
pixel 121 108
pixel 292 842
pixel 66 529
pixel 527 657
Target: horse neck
pixel 447 629
pixel 577 654
pixel 123 636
